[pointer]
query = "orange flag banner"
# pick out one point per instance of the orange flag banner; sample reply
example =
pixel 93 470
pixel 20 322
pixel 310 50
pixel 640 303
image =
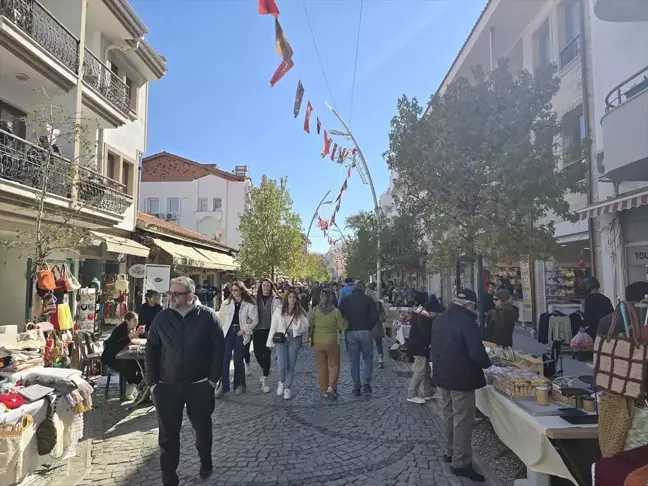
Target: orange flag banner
pixel 327 145
pixel 268 7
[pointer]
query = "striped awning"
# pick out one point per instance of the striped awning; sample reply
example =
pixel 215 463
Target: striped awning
pixel 616 204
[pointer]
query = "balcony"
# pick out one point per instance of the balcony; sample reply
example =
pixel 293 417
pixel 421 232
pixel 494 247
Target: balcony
pixel 39 24
pixel 99 77
pixel 625 125
pixel 570 52
pixel 26 168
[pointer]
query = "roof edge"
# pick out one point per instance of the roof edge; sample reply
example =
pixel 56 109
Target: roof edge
pixel 224 173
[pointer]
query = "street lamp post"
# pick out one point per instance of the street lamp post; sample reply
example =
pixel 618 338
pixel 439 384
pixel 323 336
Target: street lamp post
pixel 373 192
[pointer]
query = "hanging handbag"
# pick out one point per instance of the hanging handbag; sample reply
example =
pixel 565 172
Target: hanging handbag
pixel 121 283
pixel 46 431
pixel 49 304
pixel 621 362
pixel 45 278
pixel 71 282
pixel 280 337
pixel 59 278
pixel 615 418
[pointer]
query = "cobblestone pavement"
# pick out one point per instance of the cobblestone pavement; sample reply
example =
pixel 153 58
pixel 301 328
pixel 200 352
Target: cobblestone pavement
pixel 260 439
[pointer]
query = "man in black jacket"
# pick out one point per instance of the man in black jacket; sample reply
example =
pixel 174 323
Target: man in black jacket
pixel 361 312
pixel 184 362
pixel 458 357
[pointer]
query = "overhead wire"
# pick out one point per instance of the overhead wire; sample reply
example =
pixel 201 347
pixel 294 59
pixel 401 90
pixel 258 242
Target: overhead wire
pixel 355 64
pixel 319 58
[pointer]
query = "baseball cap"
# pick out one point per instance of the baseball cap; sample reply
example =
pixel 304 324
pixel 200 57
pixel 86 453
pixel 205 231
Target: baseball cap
pixel 467 294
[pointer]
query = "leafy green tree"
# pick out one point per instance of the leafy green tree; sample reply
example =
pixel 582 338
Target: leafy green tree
pixel 310 267
pixel 482 168
pixel 270 230
pixel 401 243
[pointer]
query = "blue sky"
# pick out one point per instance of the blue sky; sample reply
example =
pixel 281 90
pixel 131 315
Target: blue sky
pixel 215 104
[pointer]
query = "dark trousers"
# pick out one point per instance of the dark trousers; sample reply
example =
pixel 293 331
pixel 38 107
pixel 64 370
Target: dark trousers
pixel 128 369
pixel 169 400
pixel 379 345
pixel 233 345
pixel 246 352
pixel 262 352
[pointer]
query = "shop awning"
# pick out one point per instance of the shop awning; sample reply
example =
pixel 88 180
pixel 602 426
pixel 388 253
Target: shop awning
pixel 221 260
pixel 630 200
pixel 184 255
pixel 117 244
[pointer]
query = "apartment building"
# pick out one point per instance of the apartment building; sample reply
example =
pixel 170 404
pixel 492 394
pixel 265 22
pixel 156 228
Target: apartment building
pixel 91 58
pixel 198 197
pixel 620 100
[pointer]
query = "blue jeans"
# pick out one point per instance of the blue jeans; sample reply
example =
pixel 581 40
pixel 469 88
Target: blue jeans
pixel 361 342
pixel 233 344
pixel 287 354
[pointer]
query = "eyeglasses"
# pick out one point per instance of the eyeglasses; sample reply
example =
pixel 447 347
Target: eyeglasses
pixel 177 294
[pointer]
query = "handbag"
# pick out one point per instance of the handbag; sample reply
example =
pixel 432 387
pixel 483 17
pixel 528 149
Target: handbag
pixel 49 304
pixel 59 278
pixel 621 362
pixel 46 432
pixel 45 278
pixel 615 418
pixel 280 337
pixel 121 283
pixel 71 282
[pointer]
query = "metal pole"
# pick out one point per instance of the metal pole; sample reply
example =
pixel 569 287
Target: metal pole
pixel 310 226
pixel 480 286
pixel 373 193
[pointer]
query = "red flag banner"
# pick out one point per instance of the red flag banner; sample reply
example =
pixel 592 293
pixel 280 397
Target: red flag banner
pixel 281 71
pixel 268 7
pixel 333 151
pixel 282 46
pixel 327 145
pixel 309 110
pixel 299 96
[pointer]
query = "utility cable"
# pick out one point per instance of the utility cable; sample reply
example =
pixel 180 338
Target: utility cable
pixel 355 64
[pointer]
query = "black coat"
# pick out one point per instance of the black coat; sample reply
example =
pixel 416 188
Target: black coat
pixel 360 310
pixel 420 336
pixel 500 324
pixel 185 349
pixel 458 355
pixel 117 341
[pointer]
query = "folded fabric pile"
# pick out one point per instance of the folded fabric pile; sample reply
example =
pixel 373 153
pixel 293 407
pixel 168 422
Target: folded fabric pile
pixel 19 359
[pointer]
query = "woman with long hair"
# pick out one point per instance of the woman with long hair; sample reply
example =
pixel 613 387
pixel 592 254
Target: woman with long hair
pixel 326 323
pixel 238 316
pixel 288 326
pixel 267 301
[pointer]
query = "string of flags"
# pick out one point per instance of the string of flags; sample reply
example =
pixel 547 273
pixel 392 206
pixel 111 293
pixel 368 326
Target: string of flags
pixel 335 152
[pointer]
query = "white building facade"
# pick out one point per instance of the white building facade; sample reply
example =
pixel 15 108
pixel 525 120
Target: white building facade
pixel 91 58
pixel 198 197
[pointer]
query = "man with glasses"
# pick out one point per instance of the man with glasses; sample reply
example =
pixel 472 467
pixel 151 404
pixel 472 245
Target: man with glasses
pixel 184 362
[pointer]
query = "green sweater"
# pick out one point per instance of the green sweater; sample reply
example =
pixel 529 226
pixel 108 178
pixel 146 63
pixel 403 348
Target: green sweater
pixel 326 325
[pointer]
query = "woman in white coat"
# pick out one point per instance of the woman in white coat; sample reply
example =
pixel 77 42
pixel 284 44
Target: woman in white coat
pixel 288 326
pixel 238 317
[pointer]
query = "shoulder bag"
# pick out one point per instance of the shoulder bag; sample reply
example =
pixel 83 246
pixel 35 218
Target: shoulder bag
pixel 280 337
pixel 45 278
pixel 621 362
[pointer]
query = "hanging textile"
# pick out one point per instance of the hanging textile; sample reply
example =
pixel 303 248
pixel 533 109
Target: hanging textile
pixel 268 7
pixel 281 71
pixel 309 110
pixel 333 151
pixel 319 126
pixel 327 144
pixel 299 96
pixel 282 46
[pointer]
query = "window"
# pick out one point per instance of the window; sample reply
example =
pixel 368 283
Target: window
pixel 17 118
pixel 173 205
pixel 111 166
pixel 127 169
pixel 570 33
pixel 217 204
pixel 542 46
pixel 573 134
pixel 202 205
pixel 153 205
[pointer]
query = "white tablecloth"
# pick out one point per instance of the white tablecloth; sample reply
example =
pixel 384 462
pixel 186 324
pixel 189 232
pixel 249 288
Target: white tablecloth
pixel 524 434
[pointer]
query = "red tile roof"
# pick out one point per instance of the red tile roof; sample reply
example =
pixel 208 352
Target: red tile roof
pixel 166 167
pixel 147 222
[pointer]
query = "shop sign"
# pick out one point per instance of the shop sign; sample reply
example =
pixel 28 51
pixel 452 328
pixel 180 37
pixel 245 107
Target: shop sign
pixel 137 271
pixel 637 255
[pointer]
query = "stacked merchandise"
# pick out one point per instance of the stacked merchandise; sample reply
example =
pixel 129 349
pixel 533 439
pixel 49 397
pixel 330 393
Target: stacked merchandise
pixel 113 298
pixel 563 283
pixel 515 382
pixel 511 274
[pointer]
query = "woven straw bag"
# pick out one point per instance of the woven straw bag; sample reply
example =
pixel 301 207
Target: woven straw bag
pixel 621 362
pixel 615 419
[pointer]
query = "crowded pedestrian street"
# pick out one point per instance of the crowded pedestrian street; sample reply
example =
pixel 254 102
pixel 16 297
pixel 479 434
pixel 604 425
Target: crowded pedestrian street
pixel 262 439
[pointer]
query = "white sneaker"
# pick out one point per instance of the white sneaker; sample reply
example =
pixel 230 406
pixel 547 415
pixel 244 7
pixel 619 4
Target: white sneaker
pixel 416 400
pixel 264 385
pixel 219 391
pixel 280 389
pixel 131 392
pixel 287 394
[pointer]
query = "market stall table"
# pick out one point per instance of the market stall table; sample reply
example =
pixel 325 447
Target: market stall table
pixel 135 352
pixel 534 438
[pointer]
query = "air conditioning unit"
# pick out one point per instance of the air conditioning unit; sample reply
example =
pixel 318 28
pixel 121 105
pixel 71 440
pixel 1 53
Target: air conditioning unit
pixel 157 215
pixel 172 216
